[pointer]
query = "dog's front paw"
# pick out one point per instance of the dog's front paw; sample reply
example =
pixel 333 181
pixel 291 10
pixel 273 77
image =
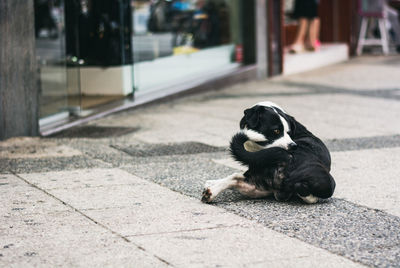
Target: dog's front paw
pixel 207 195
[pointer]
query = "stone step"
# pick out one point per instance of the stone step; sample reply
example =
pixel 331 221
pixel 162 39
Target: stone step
pixel 328 54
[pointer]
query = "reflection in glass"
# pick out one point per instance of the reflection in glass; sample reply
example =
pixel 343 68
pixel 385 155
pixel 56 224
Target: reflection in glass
pixel 50 53
pixel 92 52
pixel 176 41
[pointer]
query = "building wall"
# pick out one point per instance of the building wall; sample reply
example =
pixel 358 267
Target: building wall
pixel 339 22
pixel 261 38
pixel 18 83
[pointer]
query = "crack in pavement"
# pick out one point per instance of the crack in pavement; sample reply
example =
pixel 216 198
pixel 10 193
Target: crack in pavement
pixel 124 238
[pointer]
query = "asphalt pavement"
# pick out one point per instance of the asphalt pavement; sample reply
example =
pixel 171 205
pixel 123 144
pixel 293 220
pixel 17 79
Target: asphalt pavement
pixel 125 190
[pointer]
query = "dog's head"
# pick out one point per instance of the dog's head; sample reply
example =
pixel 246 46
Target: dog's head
pixel 268 125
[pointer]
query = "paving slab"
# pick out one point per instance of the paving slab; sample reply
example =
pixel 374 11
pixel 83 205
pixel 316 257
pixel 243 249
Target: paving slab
pixel 32 165
pixel 262 87
pixel 230 103
pixel 69 240
pixel 338 116
pixel 369 177
pixel 175 126
pixel 24 154
pixel 182 148
pixel 363 143
pixel 81 178
pixel 172 215
pixel 45 223
pixel 133 208
pixel 19 198
pixel 126 203
pixel 112 196
pixel 238 247
pixel 39 230
pixel 367 73
pixel 27 147
pixel 104 152
pixel 97 251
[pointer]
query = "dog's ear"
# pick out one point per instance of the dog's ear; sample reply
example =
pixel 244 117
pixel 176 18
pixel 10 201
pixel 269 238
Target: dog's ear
pixel 251 118
pixel 292 124
pixel 290 119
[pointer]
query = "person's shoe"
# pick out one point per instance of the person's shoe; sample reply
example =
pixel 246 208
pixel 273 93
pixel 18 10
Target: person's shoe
pixel 315 47
pixel 296 48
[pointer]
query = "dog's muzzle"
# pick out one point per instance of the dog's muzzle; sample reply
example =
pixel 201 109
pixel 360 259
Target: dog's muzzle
pixel 292 146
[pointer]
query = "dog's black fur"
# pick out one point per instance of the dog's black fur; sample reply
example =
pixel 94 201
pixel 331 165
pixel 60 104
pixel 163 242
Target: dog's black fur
pixel 300 169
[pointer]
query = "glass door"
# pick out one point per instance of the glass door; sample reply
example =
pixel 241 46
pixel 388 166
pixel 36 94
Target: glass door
pixel 98 49
pixel 56 83
pixel 84 54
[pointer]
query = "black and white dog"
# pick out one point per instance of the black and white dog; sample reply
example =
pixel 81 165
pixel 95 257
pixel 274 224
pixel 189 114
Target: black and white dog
pixel 282 156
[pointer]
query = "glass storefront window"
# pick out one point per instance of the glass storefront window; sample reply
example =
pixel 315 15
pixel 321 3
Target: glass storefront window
pixel 175 41
pixel 93 52
pixel 84 51
pixel 98 46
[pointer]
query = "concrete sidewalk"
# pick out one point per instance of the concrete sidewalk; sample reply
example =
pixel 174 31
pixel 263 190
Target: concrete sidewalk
pixel 124 191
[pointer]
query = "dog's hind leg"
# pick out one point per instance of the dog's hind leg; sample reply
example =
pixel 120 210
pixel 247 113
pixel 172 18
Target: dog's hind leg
pixel 235 181
pixel 250 190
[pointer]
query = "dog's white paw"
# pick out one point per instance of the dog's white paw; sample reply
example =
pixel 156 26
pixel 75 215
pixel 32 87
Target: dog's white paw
pixel 207 195
pixel 310 199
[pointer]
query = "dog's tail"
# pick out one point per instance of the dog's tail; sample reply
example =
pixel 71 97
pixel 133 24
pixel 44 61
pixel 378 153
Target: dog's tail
pixel 264 157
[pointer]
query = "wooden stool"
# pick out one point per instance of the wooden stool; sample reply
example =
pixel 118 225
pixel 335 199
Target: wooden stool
pixel 370 11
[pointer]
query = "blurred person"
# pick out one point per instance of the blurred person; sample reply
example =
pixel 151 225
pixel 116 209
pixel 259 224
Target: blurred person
pixel 392 22
pixel 45 25
pixel 157 19
pixel 306 12
pixel 206 25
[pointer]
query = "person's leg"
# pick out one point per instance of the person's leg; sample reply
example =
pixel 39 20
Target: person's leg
pixel 314 33
pixel 393 17
pixel 298 44
pixel 301 31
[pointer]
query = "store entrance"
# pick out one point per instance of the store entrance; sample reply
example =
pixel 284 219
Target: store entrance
pixel 97 52
pixel 84 54
pixel 334 42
